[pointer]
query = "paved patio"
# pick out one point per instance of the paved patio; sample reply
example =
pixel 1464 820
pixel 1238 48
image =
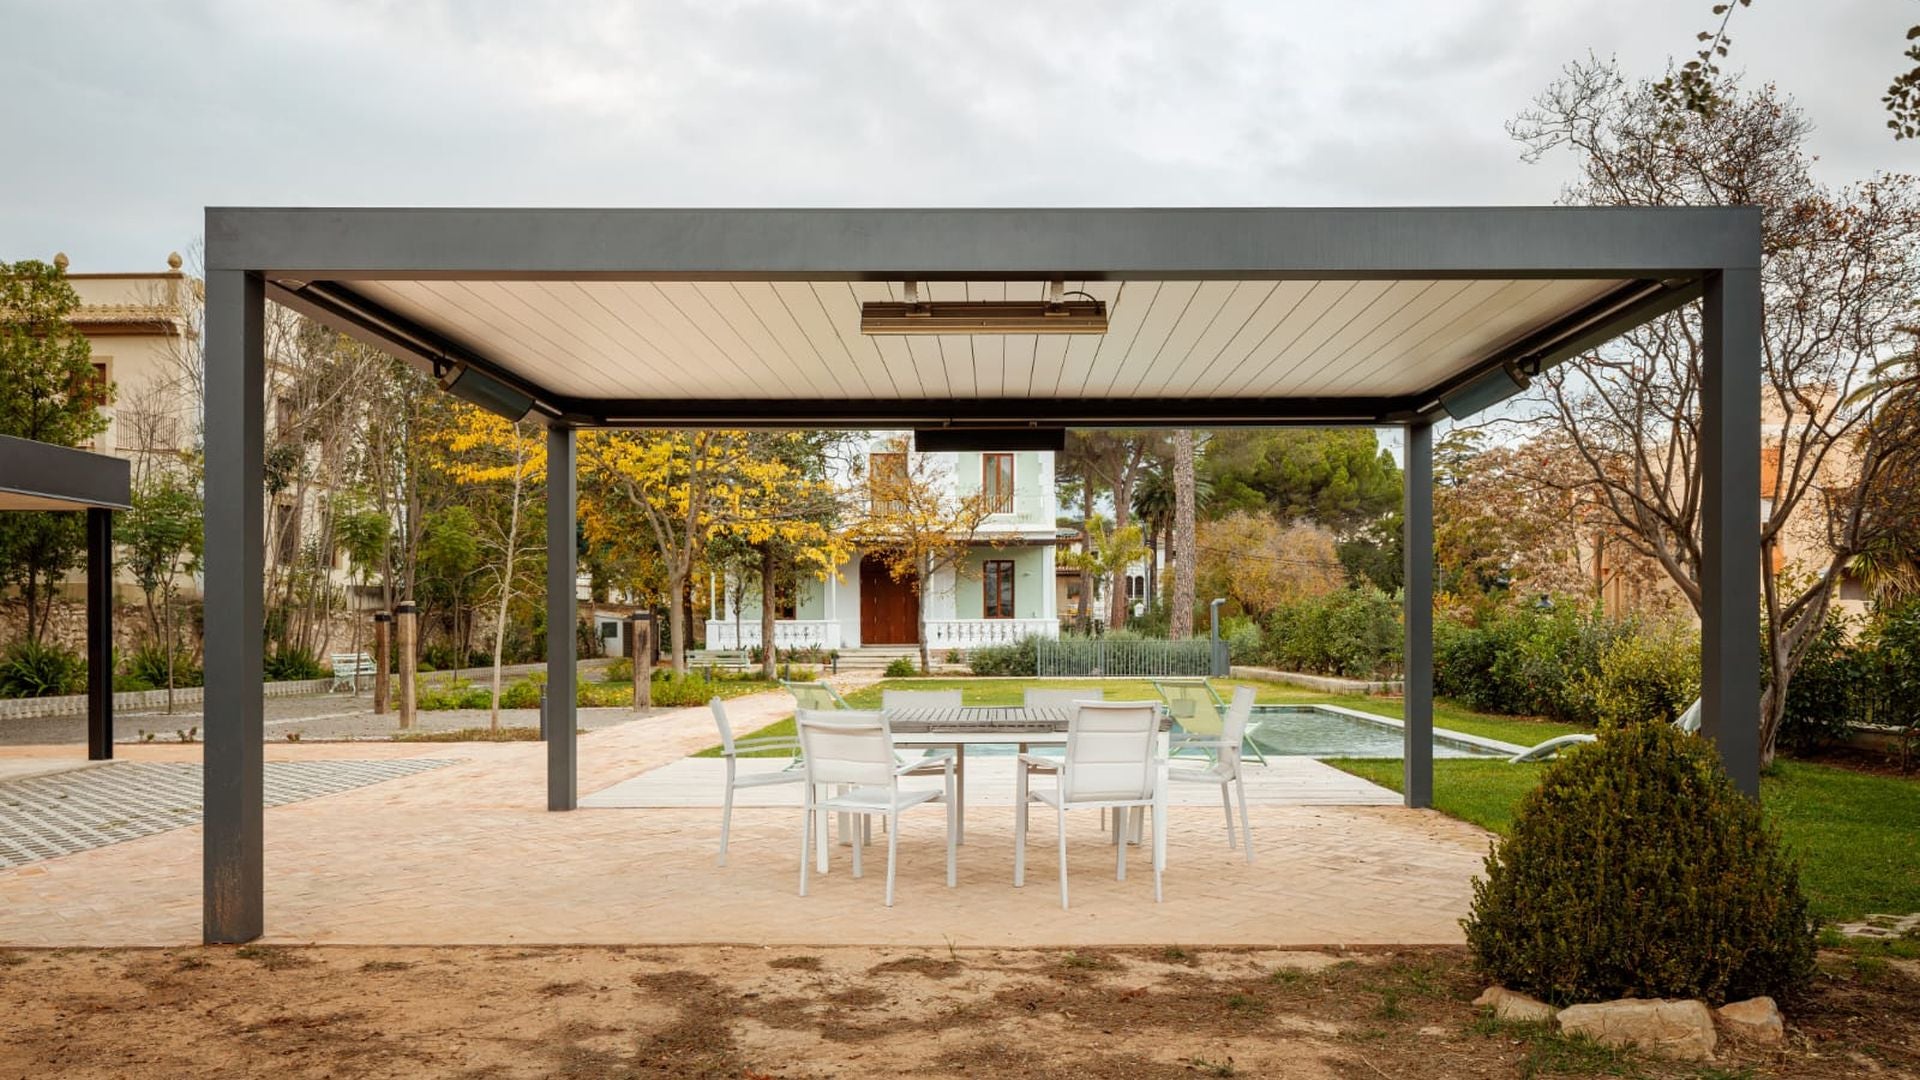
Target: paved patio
pixel 466 853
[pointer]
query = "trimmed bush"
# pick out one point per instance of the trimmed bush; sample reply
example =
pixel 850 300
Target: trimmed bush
pixel 1636 869
pixel 1645 678
pixel 1019 659
pixel 1526 661
pixel 902 668
pixel 671 689
pixel 454 695
pixel 524 694
pixel 620 670
pixel 41 669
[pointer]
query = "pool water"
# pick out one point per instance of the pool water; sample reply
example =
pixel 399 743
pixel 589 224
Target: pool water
pixel 1310 731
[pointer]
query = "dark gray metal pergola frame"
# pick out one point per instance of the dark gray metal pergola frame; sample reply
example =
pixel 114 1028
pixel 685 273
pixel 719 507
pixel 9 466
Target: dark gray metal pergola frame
pixel 37 476
pixel 309 259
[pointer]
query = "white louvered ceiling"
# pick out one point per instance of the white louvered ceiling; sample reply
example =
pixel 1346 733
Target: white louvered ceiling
pixel 802 340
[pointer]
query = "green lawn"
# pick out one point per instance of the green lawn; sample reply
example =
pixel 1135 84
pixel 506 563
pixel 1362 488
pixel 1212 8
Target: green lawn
pixel 1858 835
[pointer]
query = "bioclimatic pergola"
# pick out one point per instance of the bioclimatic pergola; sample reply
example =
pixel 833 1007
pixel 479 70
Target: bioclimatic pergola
pixel 751 318
pixel 37 476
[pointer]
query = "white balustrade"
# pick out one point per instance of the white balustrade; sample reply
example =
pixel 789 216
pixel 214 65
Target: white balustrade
pixel 972 633
pixel 787 634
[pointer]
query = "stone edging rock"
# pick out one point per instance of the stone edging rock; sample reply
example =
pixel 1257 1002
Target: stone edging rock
pixel 1326 683
pixel 1682 1029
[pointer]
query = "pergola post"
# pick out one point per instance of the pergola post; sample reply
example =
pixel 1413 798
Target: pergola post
pixel 562 570
pixel 1730 522
pixel 233 770
pixel 1416 538
pixel 99 634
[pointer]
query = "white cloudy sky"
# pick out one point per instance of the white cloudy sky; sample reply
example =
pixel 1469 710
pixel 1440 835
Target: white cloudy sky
pixel 121 121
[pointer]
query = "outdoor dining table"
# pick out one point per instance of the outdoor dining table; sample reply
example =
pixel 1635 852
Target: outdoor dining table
pixel 965 725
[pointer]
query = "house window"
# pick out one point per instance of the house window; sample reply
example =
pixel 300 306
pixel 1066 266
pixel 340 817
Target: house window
pixel 887 483
pixel 996 482
pixel 1136 586
pixel 996 581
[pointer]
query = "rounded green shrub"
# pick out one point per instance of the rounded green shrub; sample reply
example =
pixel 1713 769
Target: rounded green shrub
pixel 1645 678
pixel 1636 869
pixel 1012 660
pixel 902 668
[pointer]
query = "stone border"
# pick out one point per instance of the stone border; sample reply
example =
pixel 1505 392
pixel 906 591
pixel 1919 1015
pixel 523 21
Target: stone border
pixel 1478 742
pixel 130 700
pixel 1329 683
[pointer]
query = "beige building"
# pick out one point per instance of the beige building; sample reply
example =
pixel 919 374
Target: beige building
pixel 145 338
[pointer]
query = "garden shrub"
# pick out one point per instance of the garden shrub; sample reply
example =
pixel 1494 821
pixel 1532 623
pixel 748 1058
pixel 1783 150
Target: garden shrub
pixel 1636 869
pixel 1015 660
pixel 1644 678
pixel 1353 632
pixel 620 670
pixel 436 697
pixel 1244 642
pixel 148 664
pixel 292 664
pixel 902 667
pixel 1529 661
pixel 1829 689
pixel 41 669
pixel 523 694
pixel 672 689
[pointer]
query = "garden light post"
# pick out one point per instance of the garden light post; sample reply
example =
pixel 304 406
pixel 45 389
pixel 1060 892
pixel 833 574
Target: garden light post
pixel 406 622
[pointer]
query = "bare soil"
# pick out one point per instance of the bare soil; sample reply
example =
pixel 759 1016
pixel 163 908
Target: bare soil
pixel 748 1013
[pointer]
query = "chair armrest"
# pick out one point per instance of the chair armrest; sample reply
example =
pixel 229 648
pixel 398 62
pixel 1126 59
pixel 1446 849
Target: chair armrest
pixel 1178 743
pixel 1037 761
pixel 936 757
pixel 765 742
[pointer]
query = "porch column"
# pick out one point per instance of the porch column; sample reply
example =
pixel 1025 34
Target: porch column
pixel 562 703
pixel 1417 538
pixel 234 886
pixel 1730 522
pixel 99 634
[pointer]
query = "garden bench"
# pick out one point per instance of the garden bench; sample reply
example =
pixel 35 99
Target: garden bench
pixel 347 670
pixel 724 659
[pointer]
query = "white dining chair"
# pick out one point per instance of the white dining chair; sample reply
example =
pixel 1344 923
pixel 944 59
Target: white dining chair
pixel 732 749
pixel 1226 766
pixel 894 700
pixel 1112 762
pixel 853 751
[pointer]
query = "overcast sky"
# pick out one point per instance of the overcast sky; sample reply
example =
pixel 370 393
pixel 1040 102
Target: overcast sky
pixel 120 122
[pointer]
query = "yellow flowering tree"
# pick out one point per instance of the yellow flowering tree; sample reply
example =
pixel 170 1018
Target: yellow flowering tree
pixel 917 523
pixel 503 462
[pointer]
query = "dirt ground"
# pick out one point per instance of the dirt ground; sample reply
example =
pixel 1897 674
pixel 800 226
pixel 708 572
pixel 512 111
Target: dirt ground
pixel 744 1012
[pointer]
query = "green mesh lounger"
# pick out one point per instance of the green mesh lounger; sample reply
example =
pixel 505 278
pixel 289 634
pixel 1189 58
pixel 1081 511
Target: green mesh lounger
pixel 815 696
pixel 1199 712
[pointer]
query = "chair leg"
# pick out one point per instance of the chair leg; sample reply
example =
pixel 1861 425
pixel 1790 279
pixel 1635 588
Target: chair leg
pixel 726 814
pixel 1137 816
pixel 1120 850
pixel 1246 827
pixel 1226 803
pixel 1159 841
pixel 821 838
pixel 1061 813
pixel 857 845
pixel 1019 823
pixel 893 851
pixel 953 840
pixel 806 839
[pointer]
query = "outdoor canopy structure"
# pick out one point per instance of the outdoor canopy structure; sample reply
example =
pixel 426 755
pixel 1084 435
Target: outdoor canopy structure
pixel 751 318
pixel 41 476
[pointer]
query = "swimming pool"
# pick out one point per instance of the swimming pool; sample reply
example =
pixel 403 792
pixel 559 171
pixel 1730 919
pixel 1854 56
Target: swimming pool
pixel 1329 731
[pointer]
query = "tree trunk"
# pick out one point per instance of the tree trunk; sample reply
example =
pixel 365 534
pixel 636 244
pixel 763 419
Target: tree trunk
pixel 1117 611
pixel 506 592
pixel 767 663
pixel 676 618
pixel 926 581
pixel 1086 548
pixel 1185 559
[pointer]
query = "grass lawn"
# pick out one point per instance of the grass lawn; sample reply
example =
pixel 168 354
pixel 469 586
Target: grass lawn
pixel 1858 834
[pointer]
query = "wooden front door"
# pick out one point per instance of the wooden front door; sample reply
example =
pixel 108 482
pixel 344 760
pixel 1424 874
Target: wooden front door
pixel 889 609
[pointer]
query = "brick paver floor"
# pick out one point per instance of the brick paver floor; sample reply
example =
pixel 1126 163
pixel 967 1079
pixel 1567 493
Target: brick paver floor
pixel 468 854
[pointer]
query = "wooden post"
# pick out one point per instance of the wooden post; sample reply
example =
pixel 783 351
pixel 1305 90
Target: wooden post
pixel 640 651
pixel 382 659
pixel 407 625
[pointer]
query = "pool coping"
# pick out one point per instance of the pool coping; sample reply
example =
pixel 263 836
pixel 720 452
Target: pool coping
pixel 1492 746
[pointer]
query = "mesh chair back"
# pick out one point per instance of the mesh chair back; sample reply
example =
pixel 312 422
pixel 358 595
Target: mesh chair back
pixel 1062 699
pixel 846 747
pixel 919 699
pixel 1233 729
pixel 817 696
pixel 720 721
pixel 1110 751
pixel 1193 705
